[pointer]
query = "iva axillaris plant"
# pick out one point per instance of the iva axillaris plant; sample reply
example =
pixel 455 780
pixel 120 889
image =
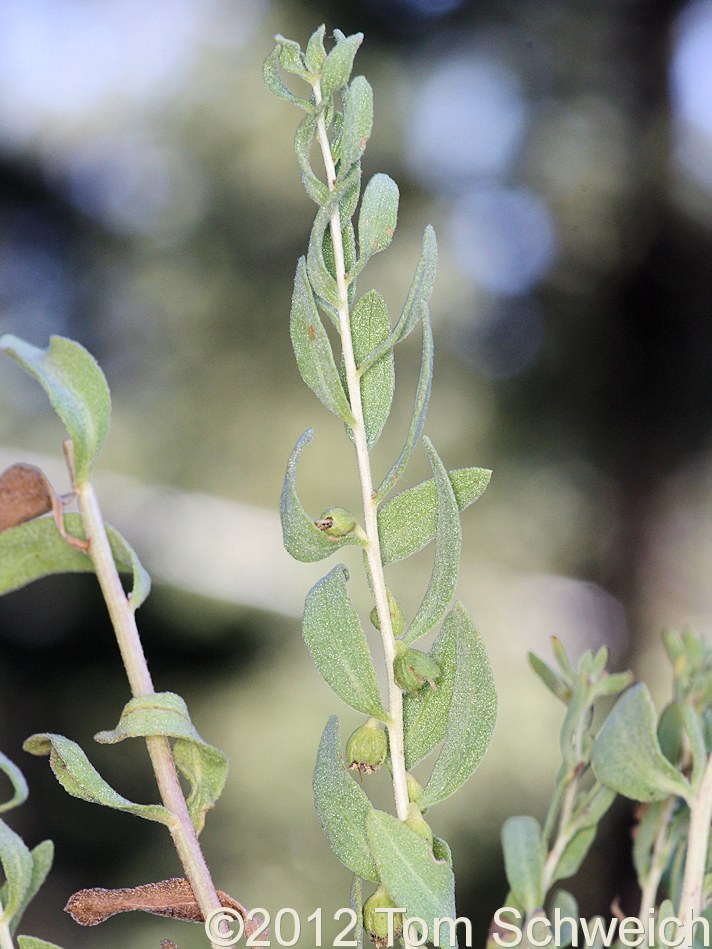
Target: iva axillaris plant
pixel 446 694
pixel 32 547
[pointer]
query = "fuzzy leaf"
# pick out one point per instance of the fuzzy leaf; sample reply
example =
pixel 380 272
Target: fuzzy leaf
pixel 275 83
pixel 165 713
pixel 17 866
pixel 320 276
pixel 568 908
pixel 313 349
pixel 473 713
pixel 315 54
pixel 302 538
pixel 341 805
pixel 627 755
pixel 409 521
pixel 77 389
pixel 32 942
pixel 596 802
pixel 338 645
pixel 42 857
pixel 338 65
pixel 422 397
pixel 410 873
pixel 290 57
pixel 425 715
pixel 441 850
pixel 523 849
pixel 36 549
pixel 79 778
pixel 448 541
pixel 17 780
pixel 358 122
pixel 551 679
pixel 369 323
pixel 314 187
pixel 378 216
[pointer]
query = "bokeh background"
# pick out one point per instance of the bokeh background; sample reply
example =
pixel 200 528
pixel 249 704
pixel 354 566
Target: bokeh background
pixel 150 207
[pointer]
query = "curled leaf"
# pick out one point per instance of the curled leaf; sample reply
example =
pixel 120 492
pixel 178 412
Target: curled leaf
pixel 17 780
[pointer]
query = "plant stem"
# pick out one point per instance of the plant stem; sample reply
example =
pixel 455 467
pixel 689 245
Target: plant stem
pixel 373 550
pixel 124 622
pixel 697 841
pixel 5 937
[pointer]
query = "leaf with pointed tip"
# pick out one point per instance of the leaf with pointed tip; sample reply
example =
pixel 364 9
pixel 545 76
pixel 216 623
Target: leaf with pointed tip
pixel 320 277
pixel 315 54
pixel 291 59
pixel 314 187
pixel 276 85
pixel 32 942
pixel 337 67
pixel 16 862
pixel 551 679
pixel 80 778
pixel 448 540
pixel 410 873
pixel 17 780
pixel 473 713
pixel 36 549
pixel 523 850
pixel 338 645
pixel 378 216
pixel 627 755
pixel 42 857
pixel 358 122
pixel 409 521
pixel 369 321
pixel 341 805
pixel 165 713
pixel 313 349
pixel 302 538
pixel 77 390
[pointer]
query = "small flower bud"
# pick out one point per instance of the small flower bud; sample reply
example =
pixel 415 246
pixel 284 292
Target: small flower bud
pixel 415 789
pixel 376 923
pixel 366 749
pixel 336 522
pixel 413 668
pixel 417 822
pixel 397 619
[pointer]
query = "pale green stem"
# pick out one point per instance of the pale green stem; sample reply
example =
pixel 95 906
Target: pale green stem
pixel 697 842
pixel 124 623
pixel 649 890
pixel 373 549
pixel 5 937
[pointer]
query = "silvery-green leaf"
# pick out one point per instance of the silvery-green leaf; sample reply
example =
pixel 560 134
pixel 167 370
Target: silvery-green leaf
pixel 448 540
pixel 409 521
pixel 627 755
pixel 302 538
pixel 165 713
pixel 313 349
pixel 17 780
pixel 290 58
pixel 341 805
pixel 42 857
pixel 338 65
pixel 358 122
pixel 378 216
pixel 552 680
pixel 32 942
pixel 315 188
pixel 369 323
pixel 77 390
pixel 276 85
pixel 646 833
pixel 79 778
pixel 338 645
pixel 422 396
pixel 694 731
pixel 524 856
pixel 320 277
pixel 441 850
pixel 349 189
pixel 425 714
pixel 16 862
pixel 410 873
pixel 473 713
pixel 36 549
pixel 574 854
pixel 315 54
pixel 567 906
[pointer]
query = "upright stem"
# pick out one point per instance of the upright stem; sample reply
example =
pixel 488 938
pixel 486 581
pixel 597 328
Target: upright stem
pixel 697 842
pixel 373 549
pixel 124 623
pixel 5 937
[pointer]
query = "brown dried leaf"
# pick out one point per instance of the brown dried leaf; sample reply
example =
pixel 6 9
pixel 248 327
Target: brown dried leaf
pixel 25 493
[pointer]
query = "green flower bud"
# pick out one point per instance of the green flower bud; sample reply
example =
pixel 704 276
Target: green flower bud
pixel 413 668
pixel 336 522
pixel 366 749
pixel 397 619
pixel 417 822
pixel 415 788
pixel 376 923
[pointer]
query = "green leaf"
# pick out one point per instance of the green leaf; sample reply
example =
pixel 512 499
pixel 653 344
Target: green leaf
pixel 588 813
pixel 320 276
pixel 425 714
pixel 378 216
pixel 524 856
pixel 448 541
pixel 17 780
pixel 422 397
pixel 313 349
pixel 36 549
pixel 473 713
pixel 567 906
pixel 79 778
pixel 341 805
pixel 409 521
pixel 410 873
pixel 32 942
pixel 369 323
pixel 441 850
pixel 314 187
pixel 338 65
pixel 17 866
pixel 275 83
pixel 358 122
pixel 574 854
pixel 302 538
pixel 338 645
pixel 42 857
pixel 627 755
pixel 77 389
pixel 291 59
pixel 165 713
pixel 552 680
pixel 315 53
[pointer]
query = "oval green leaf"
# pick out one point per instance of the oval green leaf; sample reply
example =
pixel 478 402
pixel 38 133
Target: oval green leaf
pixel 378 216
pixel 32 942
pixel 524 856
pixel 16 862
pixel 17 780
pixel 358 122
pixel 320 276
pixel 77 390
pixel 42 857
pixel 369 324
pixel 315 54
pixel 341 805
pixel 338 645
pixel 275 83
pixel 337 67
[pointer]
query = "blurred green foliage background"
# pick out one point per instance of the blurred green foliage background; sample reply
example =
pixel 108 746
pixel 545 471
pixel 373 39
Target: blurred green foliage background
pixel 150 207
